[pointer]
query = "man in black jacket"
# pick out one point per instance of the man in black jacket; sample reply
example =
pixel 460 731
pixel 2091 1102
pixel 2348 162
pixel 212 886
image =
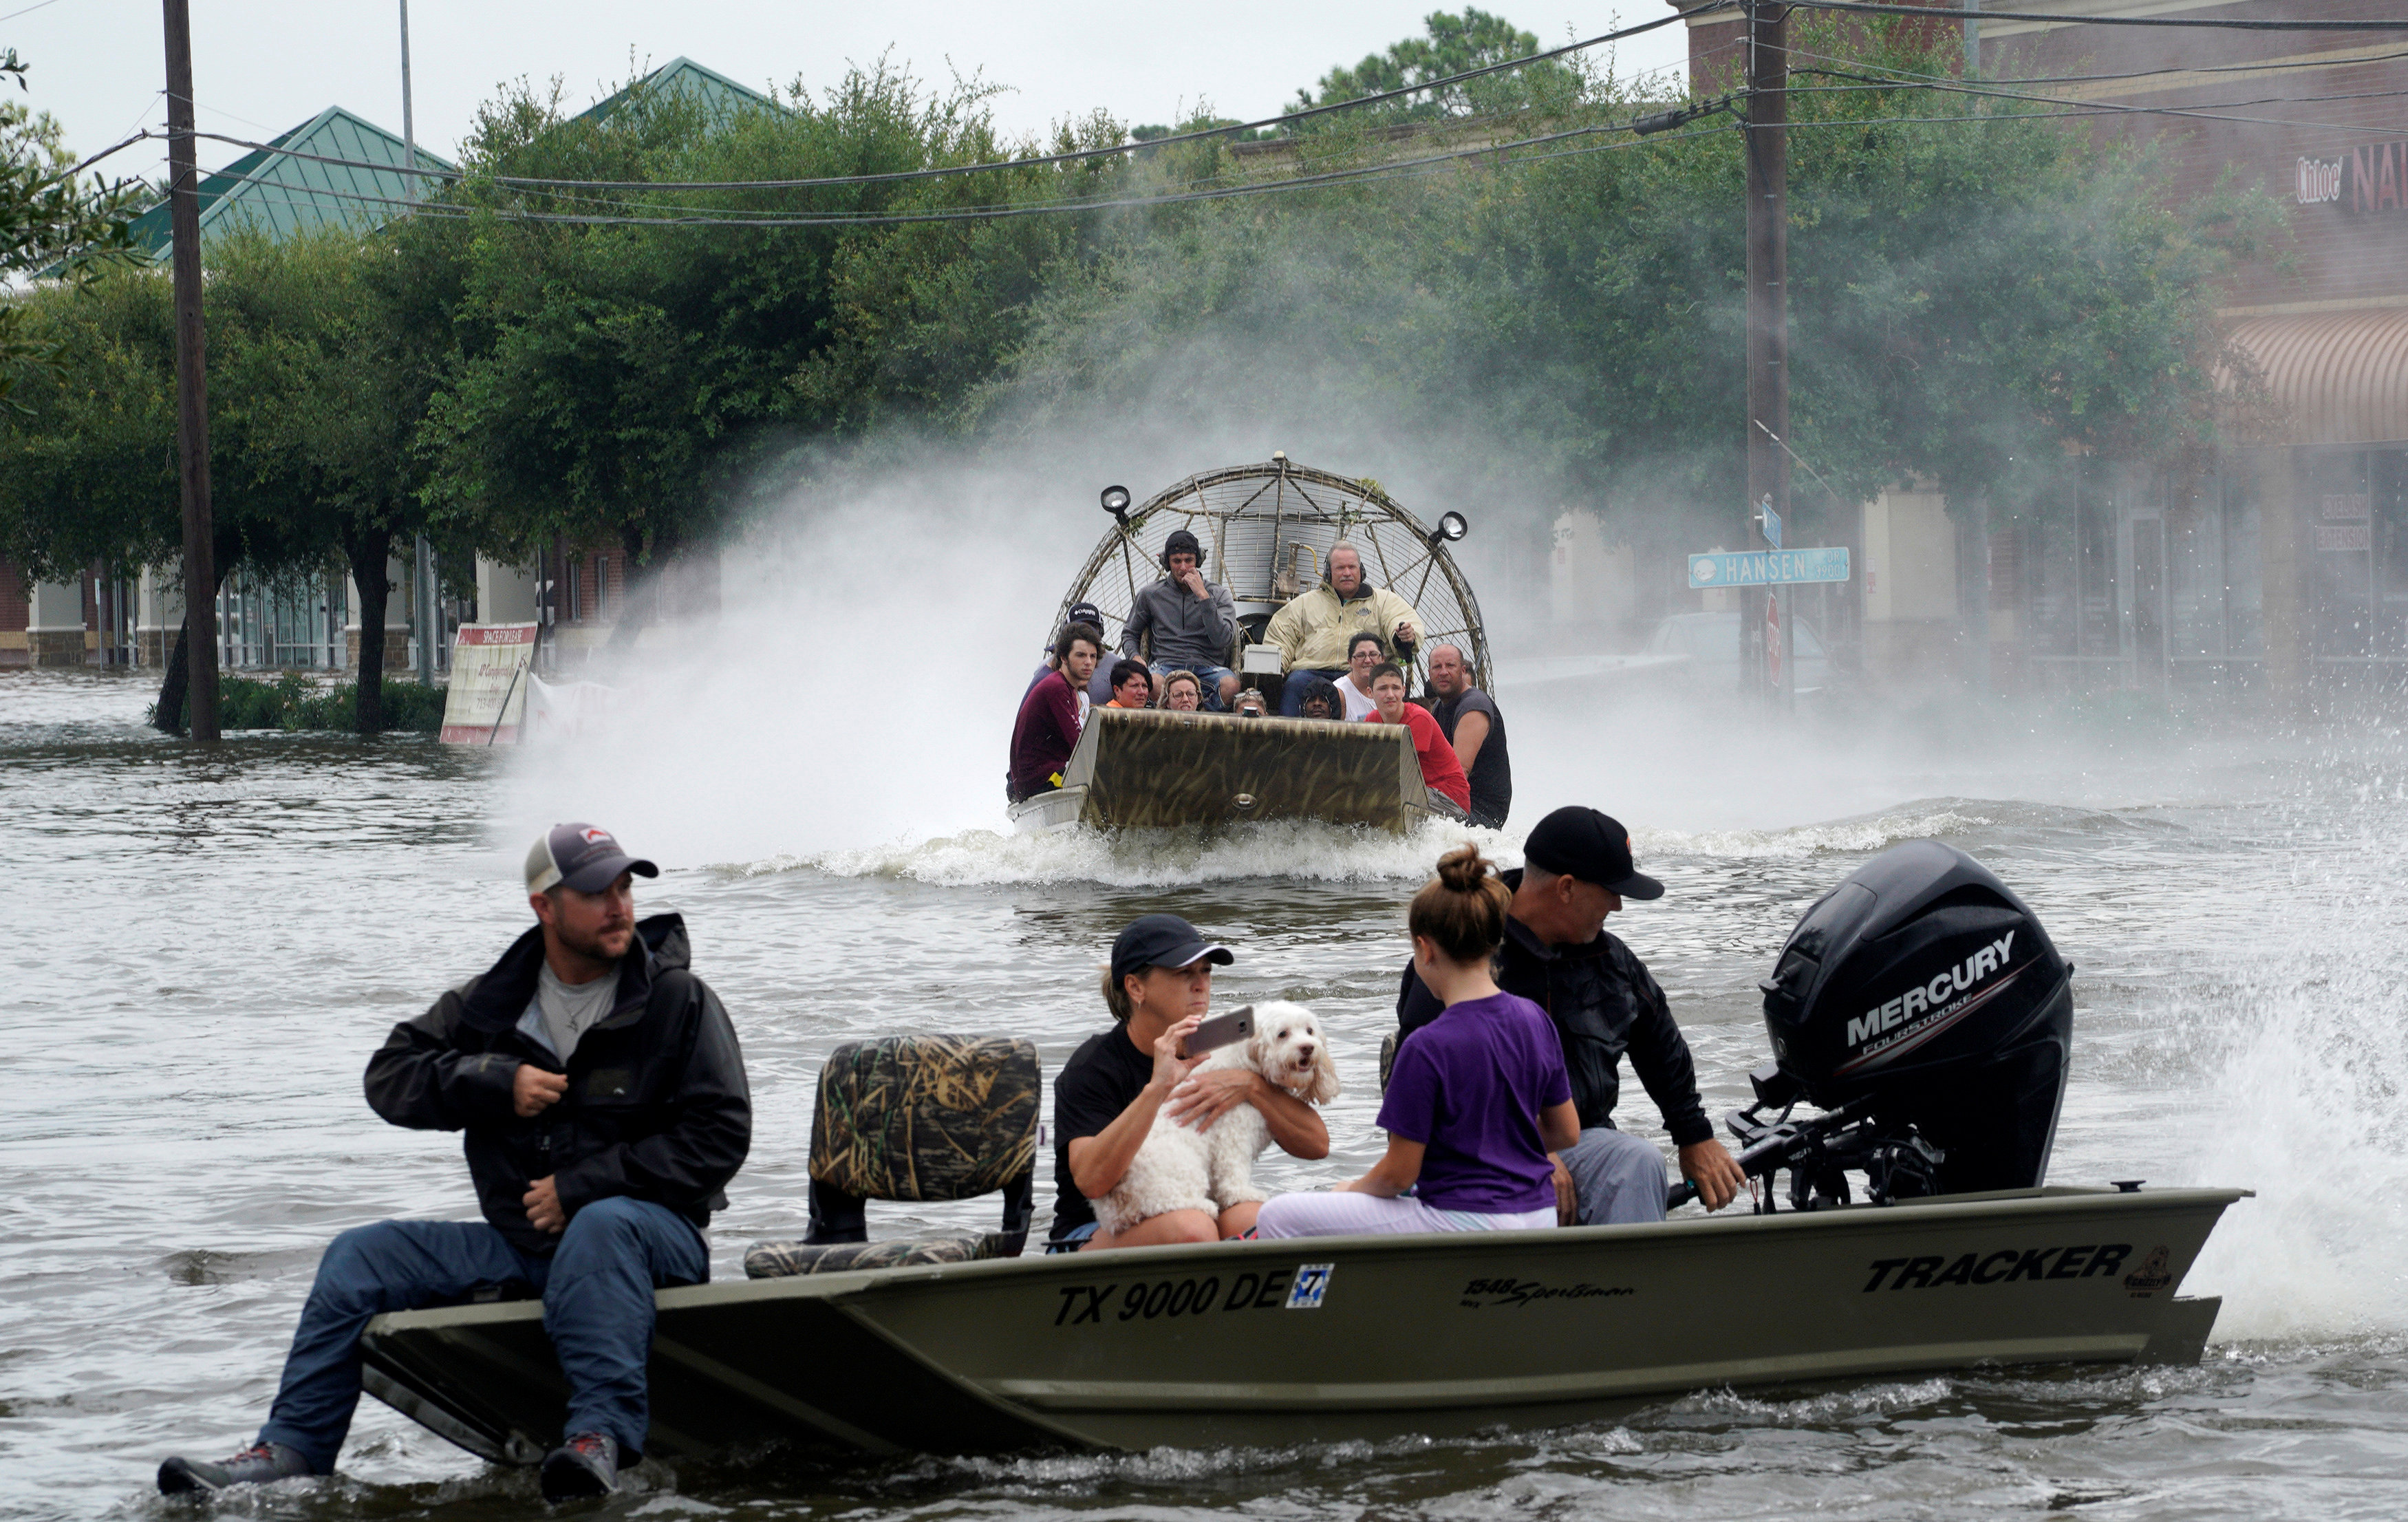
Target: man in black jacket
pixel 1604 1003
pixel 603 1102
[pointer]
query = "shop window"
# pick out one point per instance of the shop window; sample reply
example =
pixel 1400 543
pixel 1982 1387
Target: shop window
pixel 2340 541
pixel 2245 571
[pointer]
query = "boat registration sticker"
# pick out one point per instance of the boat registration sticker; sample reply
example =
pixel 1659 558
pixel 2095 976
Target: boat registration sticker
pixel 1310 1284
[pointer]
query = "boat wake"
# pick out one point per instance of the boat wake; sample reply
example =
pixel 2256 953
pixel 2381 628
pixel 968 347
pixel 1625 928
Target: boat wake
pixel 1309 851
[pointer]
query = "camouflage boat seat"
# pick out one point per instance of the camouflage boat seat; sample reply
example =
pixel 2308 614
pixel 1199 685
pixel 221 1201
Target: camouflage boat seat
pixel 915 1117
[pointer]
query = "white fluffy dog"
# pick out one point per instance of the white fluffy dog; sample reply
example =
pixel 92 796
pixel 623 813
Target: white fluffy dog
pixel 1181 1167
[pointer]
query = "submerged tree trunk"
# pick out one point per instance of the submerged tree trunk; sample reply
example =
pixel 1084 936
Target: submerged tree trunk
pixel 369 550
pixel 168 717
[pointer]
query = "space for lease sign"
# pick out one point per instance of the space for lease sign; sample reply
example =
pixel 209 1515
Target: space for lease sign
pixel 489 684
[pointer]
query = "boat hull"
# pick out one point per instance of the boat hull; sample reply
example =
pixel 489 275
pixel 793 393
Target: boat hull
pixel 1353 1337
pixel 1151 769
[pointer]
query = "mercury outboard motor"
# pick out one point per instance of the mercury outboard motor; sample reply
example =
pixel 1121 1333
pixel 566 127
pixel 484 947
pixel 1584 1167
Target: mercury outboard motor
pixel 1922 1007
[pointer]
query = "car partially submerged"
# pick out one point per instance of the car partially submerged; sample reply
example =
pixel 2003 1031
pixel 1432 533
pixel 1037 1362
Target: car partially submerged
pixel 1921 1235
pixel 1266 531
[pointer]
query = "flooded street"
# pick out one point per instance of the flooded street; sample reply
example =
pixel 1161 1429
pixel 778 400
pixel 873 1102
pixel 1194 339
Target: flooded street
pixel 207 946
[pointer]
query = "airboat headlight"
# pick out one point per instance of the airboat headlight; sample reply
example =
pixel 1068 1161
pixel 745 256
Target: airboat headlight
pixel 1451 528
pixel 1116 501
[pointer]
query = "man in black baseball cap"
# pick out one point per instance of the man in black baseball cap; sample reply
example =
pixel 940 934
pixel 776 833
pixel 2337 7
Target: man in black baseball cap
pixel 1108 1095
pixel 1557 954
pixel 1192 623
pixel 602 1101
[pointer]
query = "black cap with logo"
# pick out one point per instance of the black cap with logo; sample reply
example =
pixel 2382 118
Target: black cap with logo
pixel 1164 941
pixel 1593 847
pixel 585 858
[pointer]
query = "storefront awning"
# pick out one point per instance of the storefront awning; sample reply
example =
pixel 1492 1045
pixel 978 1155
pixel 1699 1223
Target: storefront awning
pixel 2334 377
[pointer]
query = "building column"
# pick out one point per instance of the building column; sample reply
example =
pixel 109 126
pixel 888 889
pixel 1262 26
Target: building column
pixel 158 615
pixel 396 619
pixel 2280 483
pixel 504 594
pixel 54 624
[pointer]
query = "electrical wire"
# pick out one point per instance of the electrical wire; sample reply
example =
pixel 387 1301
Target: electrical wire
pixel 1874 8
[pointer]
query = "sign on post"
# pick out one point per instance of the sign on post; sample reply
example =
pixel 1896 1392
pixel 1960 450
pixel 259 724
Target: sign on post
pixel 1769 567
pixel 489 684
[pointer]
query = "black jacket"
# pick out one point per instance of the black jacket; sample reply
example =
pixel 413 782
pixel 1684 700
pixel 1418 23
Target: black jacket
pixel 656 1109
pixel 1604 1003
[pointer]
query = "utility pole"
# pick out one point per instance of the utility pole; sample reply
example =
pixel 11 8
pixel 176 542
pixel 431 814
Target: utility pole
pixel 191 385
pixel 1767 132
pixel 422 579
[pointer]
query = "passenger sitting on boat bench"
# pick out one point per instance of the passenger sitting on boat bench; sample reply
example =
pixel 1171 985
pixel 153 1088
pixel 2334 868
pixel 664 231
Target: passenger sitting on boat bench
pixel 1081 612
pixel 1441 771
pixel 603 1100
pixel 1123 1082
pixel 1183 692
pixel 1559 954
pixel 1320 700
pixel 1051 714
pixel 1192 621
pixel 1476 1100
pixel 1313 629
pixel 1132 685
pixel 1364 653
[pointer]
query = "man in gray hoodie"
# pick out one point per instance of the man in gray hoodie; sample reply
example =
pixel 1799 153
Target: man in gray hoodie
pixel 1192 621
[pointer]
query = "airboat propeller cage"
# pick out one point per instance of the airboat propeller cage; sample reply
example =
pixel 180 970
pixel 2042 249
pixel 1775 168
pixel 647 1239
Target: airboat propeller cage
pixel 1925 987
pixel 1267 529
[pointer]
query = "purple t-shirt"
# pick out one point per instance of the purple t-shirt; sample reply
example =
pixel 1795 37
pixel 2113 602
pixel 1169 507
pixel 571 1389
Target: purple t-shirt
pixel 1468 1087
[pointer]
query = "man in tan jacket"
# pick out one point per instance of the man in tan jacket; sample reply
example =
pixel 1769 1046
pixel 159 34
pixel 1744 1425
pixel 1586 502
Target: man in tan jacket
pixel 1313 631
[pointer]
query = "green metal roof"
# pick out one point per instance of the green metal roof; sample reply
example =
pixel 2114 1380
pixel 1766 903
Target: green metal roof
pixel 284 195
pixel 722 97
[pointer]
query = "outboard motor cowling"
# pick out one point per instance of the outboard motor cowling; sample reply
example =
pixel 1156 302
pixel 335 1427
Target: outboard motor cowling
pixel 1921 1006
pixel 1923 986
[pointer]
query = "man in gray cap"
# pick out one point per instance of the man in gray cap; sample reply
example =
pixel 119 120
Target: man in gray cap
pixel 1192 621
pixel 603 1109
pixel 1559 955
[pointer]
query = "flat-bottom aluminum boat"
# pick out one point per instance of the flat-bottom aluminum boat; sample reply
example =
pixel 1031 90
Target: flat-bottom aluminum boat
pixel 1265 1343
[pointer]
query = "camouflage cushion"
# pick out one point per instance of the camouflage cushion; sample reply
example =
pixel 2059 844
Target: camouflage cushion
pixel 782 1259
pixel 926 1117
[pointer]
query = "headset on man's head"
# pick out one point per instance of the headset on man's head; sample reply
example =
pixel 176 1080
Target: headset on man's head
pixel 1201 554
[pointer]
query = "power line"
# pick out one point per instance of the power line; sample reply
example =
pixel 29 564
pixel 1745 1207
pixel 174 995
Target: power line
pixel 1872 8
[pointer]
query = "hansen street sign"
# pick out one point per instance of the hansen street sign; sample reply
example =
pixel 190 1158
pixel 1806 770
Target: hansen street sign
pixel 1769 567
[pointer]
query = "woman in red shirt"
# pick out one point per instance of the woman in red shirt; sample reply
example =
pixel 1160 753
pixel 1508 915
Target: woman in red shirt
pixel 1439 768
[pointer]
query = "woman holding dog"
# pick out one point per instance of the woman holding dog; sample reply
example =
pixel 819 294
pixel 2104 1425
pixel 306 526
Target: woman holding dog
pixel 1123 1082
pixel 1476 1100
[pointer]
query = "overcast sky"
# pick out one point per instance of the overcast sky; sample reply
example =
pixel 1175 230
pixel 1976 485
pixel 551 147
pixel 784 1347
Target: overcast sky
pixel 262 65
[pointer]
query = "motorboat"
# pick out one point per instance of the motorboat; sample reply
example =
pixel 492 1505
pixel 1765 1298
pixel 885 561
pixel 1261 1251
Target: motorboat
pixel 1921 1026
pixel 1265 529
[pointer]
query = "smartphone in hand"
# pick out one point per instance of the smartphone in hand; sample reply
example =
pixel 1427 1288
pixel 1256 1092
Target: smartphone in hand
pixel 1221 1031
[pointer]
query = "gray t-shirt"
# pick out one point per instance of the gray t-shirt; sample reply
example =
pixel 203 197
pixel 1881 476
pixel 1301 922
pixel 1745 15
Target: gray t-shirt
pixel 570 1009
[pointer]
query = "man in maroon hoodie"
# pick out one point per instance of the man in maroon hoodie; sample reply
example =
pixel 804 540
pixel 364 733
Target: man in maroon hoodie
pixel 1050 715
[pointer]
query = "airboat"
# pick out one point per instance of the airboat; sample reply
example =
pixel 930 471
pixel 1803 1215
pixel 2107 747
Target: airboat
pixel 1922 1027
pixel 1266 531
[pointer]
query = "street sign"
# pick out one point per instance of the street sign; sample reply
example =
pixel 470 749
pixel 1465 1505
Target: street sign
pixel 1771 524
pixel 1769 567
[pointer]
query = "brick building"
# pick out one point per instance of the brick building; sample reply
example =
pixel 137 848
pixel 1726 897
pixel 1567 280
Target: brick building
pixel 2285 564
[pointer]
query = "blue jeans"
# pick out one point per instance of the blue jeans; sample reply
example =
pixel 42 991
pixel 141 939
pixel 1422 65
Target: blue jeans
pixel 1292 694
pixel 1618 1177
pixel 598 1306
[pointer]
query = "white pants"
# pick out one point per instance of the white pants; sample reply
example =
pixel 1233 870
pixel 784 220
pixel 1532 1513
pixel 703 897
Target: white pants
pixel 1328 1214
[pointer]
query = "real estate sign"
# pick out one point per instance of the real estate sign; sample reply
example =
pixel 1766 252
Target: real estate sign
pixel 489 684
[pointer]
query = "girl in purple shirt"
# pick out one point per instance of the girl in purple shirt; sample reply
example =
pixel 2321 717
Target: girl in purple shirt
pixel 1476 1100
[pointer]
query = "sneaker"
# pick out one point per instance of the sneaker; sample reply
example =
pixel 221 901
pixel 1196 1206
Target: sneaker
pixel 261 1464
pixel 585 1465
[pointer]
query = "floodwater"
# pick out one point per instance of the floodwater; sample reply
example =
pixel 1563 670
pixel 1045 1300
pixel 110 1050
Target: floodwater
pixel 206 945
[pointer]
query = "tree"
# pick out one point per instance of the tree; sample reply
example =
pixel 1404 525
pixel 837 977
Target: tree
pixel 1451 45
pixel 50 219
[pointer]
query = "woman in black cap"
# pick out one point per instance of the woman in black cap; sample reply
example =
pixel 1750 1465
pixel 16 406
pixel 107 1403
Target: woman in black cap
pixel 1108 1096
